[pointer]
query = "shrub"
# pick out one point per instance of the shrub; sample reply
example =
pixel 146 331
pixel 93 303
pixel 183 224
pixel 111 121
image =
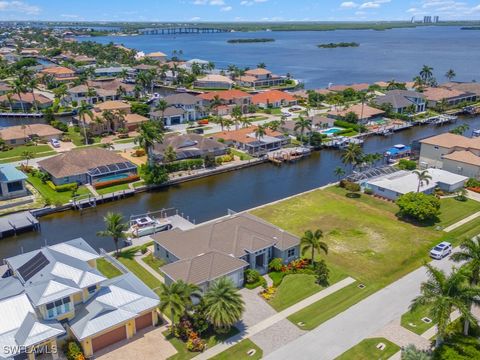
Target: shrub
pixel 139 152
pixel 473 183
pixel 62 188
pixel 183 165
pixel 418 206
pixel 322 273
pixel 195 343
pixel 268 293
pixel 153 175
pixel 183 329
pixel 251 276
pixel 105 184
pixel 73 351
pixel 276 264
pixel 405 164
pixel 59 125
pixel 260 282
pixel 368 191
pixel 352 186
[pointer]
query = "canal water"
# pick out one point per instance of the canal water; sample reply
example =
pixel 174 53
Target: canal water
pixel 208 198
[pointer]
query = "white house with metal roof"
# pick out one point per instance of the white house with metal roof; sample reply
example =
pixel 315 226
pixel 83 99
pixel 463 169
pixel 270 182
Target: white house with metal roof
pixel 62 285
pixel 12 182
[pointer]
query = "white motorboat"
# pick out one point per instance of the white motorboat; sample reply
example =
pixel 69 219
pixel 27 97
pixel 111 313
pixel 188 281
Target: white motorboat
pixel 146 225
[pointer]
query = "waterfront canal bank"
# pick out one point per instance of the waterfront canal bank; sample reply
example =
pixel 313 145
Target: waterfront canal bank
pixel 210 197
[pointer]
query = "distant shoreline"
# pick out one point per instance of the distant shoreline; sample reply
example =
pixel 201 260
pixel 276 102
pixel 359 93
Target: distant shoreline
pixel 338 45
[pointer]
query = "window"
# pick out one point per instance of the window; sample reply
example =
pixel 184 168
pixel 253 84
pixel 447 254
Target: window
pixel 91 289
pixel 291 252
pixel 15 186
pixel 58 307
pixel 167 255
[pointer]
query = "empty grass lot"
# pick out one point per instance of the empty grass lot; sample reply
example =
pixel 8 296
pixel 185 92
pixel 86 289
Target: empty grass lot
pixel 239 352
pixel 366 241
pixel 367 350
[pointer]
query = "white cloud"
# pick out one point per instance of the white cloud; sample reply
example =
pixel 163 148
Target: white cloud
pixel 370 5
pixel 226 8
pixel 19 6
pixel 251 2
pixel 348 5
pixel 209 2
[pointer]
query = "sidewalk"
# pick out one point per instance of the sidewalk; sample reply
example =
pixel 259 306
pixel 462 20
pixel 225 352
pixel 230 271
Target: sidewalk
pixel 272 320
pixel 462 222
pixel 139 260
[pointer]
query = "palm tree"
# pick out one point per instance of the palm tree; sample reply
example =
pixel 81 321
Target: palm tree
pixel 115 227
pixel 60 92
pixel 148 134
pixel 412 353
pixel 261 65
pixel 444 294
pixel 224 305
pixel 19 88
pixel 27 155
pixel 245 121
pixel 220 120
pixel 109 117
pixel 423 178
pixel 31 86
pixel 450 74
pixel 260 132
pixel 237 114
pixel 162 106
pixel 339 172
pixel 352 155
pixel 172 300
pixel 310 241
pixel 470 254
pixel 417 82
pixel 91 93
pixel 303 124
pixel 83 111
pixel 426 74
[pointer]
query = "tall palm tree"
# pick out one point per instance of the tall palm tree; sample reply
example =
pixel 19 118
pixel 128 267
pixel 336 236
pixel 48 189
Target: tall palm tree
pixel 27 156
pixel 470 254
pixel 303 124
pixel 19 88
pixel 172 301
pixel 220 120
pixel 115 227
pixel 352 155
pixel 31 86
pixel 310 241
pixel 91 93
pixel 423 178
pixel 261 65
pixel 60 92
pixel 450 74
pixel 161 106
pixel 426 73
pixel 109 117
pixel 237 115
pixel 444 294
pixel 148 134
pixel 260 132
pixel 84 111
pixel 246 122
pixel 224 305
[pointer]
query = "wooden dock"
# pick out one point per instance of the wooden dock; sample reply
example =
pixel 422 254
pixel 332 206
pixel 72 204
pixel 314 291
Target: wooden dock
pixel 16 223
pixel 90 201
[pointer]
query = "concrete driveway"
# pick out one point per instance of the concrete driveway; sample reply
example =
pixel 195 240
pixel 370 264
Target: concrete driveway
pixel 148 343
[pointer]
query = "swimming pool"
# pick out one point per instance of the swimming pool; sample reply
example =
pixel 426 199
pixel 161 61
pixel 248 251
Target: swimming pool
pixel 332 130
pixel 113 177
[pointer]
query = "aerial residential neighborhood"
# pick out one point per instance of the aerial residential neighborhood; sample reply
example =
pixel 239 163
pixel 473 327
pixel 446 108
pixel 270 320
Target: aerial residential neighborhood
pixel 221 180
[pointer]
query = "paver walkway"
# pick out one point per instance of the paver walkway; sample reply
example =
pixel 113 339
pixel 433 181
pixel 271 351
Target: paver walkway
pixel 139 259
pixel 274 319
pixel 401 336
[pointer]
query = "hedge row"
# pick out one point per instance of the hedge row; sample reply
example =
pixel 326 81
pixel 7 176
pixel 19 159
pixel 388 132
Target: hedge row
pixel 105 184
pixel 347 125
pixel 184 165
pixel 63 188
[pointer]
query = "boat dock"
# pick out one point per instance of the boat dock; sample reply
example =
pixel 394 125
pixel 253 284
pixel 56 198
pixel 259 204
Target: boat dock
pixel 278 157
pixel 21 115
pixel 89 201
pixel 13 224
pixel 438 120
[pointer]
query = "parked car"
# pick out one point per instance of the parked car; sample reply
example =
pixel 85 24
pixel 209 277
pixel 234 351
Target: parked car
pixel 55 143
pixel 441 250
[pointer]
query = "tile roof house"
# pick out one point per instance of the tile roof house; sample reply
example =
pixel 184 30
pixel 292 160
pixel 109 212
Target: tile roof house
pixel 213 81
pixel 228 98
pixel 455 153
pixel 364 113
pixel 223 247
pixel 19 135
pixel 61 284
pixel 189 146
pixel 467 87
pixel 246 139
pixel 273 98
pixel 25 101
pixel 402 100
pixel 157 56
pixel 435 95
pixel 260 78
pixel 86 166
pixel 60 73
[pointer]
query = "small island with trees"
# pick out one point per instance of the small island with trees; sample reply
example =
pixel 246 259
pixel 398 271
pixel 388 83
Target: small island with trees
pixel 338 45
pixel 247 41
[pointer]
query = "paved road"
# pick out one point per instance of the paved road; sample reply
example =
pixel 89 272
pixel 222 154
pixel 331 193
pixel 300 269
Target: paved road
pixel 340 333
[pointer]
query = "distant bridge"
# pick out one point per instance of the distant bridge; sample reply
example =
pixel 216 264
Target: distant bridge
pixel 181 30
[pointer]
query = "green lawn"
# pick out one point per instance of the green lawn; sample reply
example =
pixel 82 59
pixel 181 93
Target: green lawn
pixel 453 210
pixel 17 151
pixel 239 352
pixel 112 189
pixel 127 259
pixel 242 155
pixel 19 158
pixel 412 320
pixel 52 196
pixel 367 350
pixel 107 269
pixel 277 277
pixel 138 184
pixel 125 141
pixel 77 137
pixel 154 263
pixel 184 354
pixel 366 241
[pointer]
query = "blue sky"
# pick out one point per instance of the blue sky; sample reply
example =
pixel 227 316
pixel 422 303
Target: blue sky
pixel 236 10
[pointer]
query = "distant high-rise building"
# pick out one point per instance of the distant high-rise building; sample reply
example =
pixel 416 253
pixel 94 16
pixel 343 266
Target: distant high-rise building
pixel 427 19
pixel 413 19
pixel 436 19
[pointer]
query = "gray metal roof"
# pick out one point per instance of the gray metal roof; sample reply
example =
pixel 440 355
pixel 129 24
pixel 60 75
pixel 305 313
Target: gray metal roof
pixel 399 98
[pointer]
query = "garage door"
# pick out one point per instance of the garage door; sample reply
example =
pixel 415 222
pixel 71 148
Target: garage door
pixel 143 321
pixel 109 338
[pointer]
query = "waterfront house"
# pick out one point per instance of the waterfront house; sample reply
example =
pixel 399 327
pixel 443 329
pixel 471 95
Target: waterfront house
pixel 436 95
pixel 259 77
pixel 157 56
pixel 246 140
pixel 273 99
pixel 113 71
pixel 27 101
pixel 467 87
pixel 319 122
pixel 182 108
pixel 356 87
pixel 87 166
pixel 223 248
pixel 214 81
pixel 122 118
pixel 171 116
pixel 392 186
pixel 189 146
pixel 21 134
pixel 12 182
pixel 105 90
pixel 451 152
pixel 364 112
pixel 60 73
pixel 402 100
pixel 84 60
pixel 228 98
pixel 60 293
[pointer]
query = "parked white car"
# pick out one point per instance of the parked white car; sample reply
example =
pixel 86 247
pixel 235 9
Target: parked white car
pixel 55 143
pixel 441 250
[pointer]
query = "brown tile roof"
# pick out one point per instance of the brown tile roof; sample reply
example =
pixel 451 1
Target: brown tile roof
pixel 113 105
pixel 247 78
pixel 203 268
pixel 79 161
pixel 367 111
pixel 471 87
pixel 20 131
pixel 27 98
pixel 438 94
pixel 448 140
pixel 244 135
pixel 257 72
pixel 193 143
pixel 215 78
pixel 271 97
pixel 58 70
pixel 132 119
pixel 231 235
pixel 156 54
pixel 225 95
pixel 113 85
pixel 464 156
